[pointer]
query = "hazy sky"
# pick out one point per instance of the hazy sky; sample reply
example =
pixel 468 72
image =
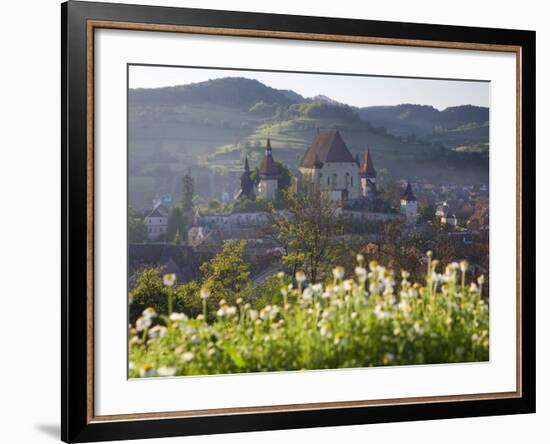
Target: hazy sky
pixel 352 90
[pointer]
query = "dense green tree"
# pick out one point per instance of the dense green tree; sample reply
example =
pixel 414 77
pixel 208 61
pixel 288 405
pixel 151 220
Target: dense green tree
pixel 137 231
pixel 188 192
pixel 187 206
pixel 426 211
pixel 227 273
pixel 176 224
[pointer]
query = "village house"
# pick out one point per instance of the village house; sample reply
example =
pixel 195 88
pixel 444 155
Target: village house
pixel 157 224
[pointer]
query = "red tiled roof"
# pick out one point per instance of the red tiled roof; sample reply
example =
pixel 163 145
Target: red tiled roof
pixel 328 146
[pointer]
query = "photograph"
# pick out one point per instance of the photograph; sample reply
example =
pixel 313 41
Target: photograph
pixel 291 221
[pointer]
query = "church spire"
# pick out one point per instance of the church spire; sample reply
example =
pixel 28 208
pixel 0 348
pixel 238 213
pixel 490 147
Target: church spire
pixel 268 168
pixel 367 168
pixel 408 195
pixel 247 185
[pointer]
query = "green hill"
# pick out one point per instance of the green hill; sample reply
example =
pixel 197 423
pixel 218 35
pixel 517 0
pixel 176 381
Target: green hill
pixel 211 126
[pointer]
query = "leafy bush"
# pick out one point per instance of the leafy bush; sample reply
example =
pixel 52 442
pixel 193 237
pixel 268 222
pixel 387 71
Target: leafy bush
pixel 349 323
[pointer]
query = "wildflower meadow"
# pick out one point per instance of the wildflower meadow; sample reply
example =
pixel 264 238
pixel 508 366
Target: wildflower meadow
pixel 369 320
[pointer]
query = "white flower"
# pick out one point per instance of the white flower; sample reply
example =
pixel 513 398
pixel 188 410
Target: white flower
pixel 226 311
pixel 347 284
pixel 360 258
pixel 481 280
pixel 307 295
pixel 166 371
pixel 187 356
pixel 463 266
pixel 269 312
pixel 281 274
pixel 405 274
pixel 195 339
pixel 149 313
pixel 169 279
pixel 158 331
pixel 338 272
pixel 361 273
pixel 143 323
pixel 300 276
pixel 253 315
pixel 380 313
pixel 405 307
pixel 205 293
pixel 317 288
pixel 178 316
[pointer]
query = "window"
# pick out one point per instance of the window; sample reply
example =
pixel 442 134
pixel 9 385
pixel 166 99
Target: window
pixel 351 180
pixel 328 180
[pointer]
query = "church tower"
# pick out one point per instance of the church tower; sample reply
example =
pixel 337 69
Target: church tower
pixel 368 176
pixel 247 185
pixel 408 205
pixel 269 174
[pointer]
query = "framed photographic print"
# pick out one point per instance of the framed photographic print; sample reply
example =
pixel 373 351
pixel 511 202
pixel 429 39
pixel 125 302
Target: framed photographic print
pixel 276 221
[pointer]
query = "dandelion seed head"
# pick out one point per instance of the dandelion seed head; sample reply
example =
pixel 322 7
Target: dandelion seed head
pixel 169 279
pixel 149 312
pixel 338 272
pixel 187 356
pixel 158 331
pixel 166 371
pixel 178 316
pixel 307 294
pixel 143 323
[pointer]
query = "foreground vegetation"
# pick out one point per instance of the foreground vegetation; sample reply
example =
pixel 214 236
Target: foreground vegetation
pixel 362 322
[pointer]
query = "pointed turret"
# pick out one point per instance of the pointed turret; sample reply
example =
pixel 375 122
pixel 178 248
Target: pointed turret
pixel 268 168
pixel 408 205
pixel 269 174
pixel 247 185
pixel 408 195
pixel 367 167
